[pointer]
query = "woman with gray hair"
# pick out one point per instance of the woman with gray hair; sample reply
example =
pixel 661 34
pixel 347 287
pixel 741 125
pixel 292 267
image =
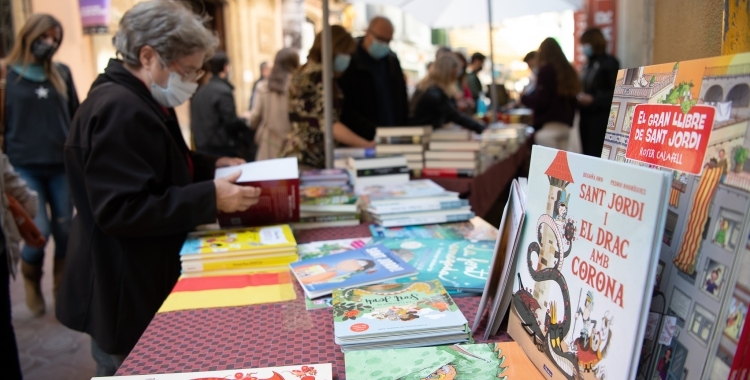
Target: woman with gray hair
pixel 137 187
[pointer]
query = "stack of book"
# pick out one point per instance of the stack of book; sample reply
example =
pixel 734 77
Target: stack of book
pixel 416 202
pixel 409 142
pixel 326 200
pixel 453 152
pixel 499 143
pixel 412 314
pixel 374 173
pixel 341 155
pixel 236 251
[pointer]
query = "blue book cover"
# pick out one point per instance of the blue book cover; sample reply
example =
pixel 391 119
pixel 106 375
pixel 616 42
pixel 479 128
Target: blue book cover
pixel 368 265
pixel 458 264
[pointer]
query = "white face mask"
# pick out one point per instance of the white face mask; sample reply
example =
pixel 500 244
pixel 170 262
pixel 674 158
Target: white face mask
pixel 176 93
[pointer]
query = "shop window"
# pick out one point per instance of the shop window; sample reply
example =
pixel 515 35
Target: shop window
pixel 620 156
pixel 606 149
pixel 702 324
pixel 628 122
pixel 613 112
pixel 726 232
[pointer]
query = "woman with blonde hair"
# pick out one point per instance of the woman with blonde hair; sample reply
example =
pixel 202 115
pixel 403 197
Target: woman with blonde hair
pixel 306 141
pixel 270 113
pixel 432 103
pixel 39 104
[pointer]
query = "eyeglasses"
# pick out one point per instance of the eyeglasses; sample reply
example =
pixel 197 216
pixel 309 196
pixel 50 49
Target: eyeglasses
pixel 189 76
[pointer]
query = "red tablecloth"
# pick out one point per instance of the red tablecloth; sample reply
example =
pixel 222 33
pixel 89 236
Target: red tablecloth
pixel 264 335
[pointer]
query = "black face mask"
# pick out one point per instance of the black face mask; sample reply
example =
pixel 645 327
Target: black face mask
pixel 43 51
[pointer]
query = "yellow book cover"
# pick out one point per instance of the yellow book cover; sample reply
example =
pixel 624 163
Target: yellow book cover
pixel 235 272
pixel 211 265
pixel 238 240
pixel 261 252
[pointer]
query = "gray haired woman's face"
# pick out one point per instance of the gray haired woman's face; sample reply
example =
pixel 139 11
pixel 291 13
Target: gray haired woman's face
pixel 188 67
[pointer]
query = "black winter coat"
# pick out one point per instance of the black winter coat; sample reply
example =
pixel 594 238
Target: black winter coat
pixel 433 107
pixel 360 112
pixel 598 79
pixel 129 171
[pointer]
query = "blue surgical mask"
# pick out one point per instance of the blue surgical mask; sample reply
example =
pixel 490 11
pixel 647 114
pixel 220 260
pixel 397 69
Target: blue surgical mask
pixel 535 71
pixel 341 62
pixel 378 50
pixel 176 92
pixel 588 50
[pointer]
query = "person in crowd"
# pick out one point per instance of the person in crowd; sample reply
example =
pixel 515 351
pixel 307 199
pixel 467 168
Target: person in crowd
pixel 137 187
pixel 554 99
pixel 598 80
pixel 270 113
pixel 464 101
pixel 472 80
pixel 374 84
pixel 217 130
pixel 39 104
pixel 432 103
pixel 531 63
pixel 306 97
pixel 10 253
pixel 265 71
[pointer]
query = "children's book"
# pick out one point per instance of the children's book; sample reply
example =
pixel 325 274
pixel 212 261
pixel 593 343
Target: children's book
pixel 585 265
pixel 326 195
pixel 324 175
pixel 238 242
pixel 279 197
pixel 292 372
pixel 369 265
pixel 475 229
pixel 691 119
pixel 465 361
pixel 329 247
pixel 460 265
pixel 424 217
pixel 318 303
pixel 417 188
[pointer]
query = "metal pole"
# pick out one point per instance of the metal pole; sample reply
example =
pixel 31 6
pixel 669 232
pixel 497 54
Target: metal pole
pixel 493 86
pixel 327 86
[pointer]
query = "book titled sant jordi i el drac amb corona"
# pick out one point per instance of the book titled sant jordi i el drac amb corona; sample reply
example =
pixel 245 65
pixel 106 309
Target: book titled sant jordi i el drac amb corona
pixel 321 371
pixel 585 264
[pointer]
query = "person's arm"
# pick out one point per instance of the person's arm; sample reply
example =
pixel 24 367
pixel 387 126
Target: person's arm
pixel 71 93
pixel 344 135
pixel 18 188
pixel 227 113
pixel 350 115
pixel 452 114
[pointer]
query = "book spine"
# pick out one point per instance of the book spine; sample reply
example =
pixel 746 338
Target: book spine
pixel 202 266
pixel 328 218
pixel 382 171
pixel 427 220
pixel 398 140
pixel 420 206
pixel 447 173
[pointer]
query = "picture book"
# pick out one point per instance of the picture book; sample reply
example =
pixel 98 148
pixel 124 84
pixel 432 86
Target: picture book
pixel 424 217
pixel 691 119
pixel 474 229
pixel 324 175
pixel 584 265
pixel 387 309
pixel 209 244
pixel 278 180
pixel 458 264
pixel 326 195
pixel 318 303
pixel 292 372
pixel 329 247
pixel 465 361
pixel 412 189
pixel 364 266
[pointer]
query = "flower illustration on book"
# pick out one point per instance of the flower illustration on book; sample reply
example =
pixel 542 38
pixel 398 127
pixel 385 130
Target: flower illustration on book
pixel 349 310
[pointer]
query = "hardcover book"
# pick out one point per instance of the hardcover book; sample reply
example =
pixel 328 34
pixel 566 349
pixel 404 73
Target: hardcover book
pixel 326 195
pixel 242 241
pixel 320 276
pixel 585 268
pixel 329 247
pixel 293 372
pixel 475 229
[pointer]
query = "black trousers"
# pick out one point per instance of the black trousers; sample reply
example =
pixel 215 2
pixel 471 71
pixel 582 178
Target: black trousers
pixel 9 363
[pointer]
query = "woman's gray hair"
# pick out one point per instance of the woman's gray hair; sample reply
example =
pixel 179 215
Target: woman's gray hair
pixel 167 26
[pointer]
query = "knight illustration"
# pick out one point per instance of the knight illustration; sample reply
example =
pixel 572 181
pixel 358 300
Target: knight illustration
pixel 585 315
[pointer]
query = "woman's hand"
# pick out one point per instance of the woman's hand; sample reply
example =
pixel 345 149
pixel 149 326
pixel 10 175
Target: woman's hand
pixel 231 197
pixel 585 99
pixel 229 161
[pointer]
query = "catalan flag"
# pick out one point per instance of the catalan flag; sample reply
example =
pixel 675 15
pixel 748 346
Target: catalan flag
pixel 674 198
pixel 686 256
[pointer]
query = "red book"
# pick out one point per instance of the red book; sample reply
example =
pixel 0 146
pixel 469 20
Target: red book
pixel 740 369
pixel 279 198
pixel 447 173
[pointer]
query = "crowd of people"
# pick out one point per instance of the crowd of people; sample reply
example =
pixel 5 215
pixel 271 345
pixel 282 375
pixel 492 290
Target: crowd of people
pixel 137 187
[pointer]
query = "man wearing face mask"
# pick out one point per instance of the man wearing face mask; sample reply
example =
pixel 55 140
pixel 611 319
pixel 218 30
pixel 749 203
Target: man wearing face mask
pixel 598 79
pixel 374 84
pixel 137 187
pixel 217 130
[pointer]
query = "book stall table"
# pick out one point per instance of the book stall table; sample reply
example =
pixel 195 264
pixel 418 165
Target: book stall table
pixel 261 335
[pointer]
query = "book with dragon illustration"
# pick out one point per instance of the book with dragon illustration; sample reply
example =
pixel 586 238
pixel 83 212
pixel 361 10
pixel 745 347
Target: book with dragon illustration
pixel 691 119
pixel 238 242
pixel 474 229
pixel 501 361
pixel 294 372
pixel 585 264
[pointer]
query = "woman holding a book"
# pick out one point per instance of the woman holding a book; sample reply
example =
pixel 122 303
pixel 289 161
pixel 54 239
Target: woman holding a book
pixel 306 141
pixel 137 187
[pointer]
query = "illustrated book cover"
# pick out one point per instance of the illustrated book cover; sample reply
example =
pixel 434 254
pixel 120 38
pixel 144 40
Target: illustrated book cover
pixel 691 119
pixel 368 265
pixel 238 242
pixel 293 372
pixel 475 229
pixel 586 264
pixel 329 247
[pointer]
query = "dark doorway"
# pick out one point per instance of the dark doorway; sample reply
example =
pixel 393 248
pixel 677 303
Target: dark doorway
pixel 214 11
pixel 6 28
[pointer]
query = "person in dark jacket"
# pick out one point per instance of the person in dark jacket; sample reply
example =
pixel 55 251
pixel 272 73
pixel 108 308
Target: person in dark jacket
pixel 40 101
pixel 374 84
pixel 432 103
pixel 137 187
pixel 217 130
pixel 598 80
pixel 476 65
pixel 554 98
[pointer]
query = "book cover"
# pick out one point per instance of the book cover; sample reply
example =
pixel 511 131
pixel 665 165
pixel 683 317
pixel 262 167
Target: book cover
pixel 236 263
pixel 691 119
pixel 326 195
pixel 466 361
pixel 329 247
pixel 238 240
pixel 457 264
pixel 324 175
pixel 475 229
pixel 412 189
pixel 368 265
pixel 295 372
pixel 585 266
pixel 421 204
pixel 279 198
pixel 393 309
pixel 399 140
pixel 448 173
